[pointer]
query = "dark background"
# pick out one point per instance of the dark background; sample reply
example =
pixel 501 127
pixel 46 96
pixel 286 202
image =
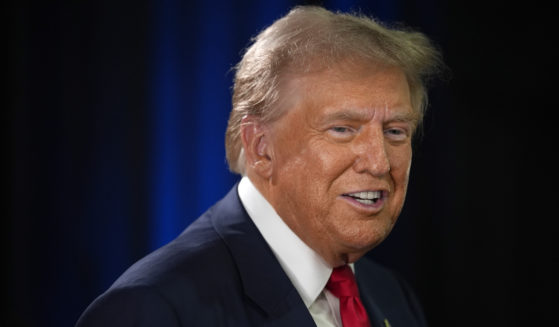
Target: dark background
pixel 116 118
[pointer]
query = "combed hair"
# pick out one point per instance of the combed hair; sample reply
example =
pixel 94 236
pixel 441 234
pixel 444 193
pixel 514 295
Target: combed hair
pixel 311 38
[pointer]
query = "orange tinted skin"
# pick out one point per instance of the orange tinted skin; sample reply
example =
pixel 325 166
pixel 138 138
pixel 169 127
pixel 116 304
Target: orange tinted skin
pixel 342 132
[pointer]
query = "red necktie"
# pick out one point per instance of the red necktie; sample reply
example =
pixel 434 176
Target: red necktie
pixel 342 284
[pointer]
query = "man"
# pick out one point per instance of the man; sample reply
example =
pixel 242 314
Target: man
pixel 324 110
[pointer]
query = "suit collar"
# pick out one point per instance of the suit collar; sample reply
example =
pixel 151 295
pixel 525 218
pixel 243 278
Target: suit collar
pixel 263 279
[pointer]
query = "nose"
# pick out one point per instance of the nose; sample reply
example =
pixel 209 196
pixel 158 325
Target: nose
pixel 371 155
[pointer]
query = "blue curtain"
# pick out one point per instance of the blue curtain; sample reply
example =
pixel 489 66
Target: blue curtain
pixel 120 110
pixel 195 47
pixel 119 120
pixel 117 112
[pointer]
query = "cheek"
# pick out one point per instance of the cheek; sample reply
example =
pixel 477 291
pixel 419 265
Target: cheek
pixel 318 168
pixel 311 173
pixel 331 160
pixel 309 158
pixel 400 170
pixel 400 163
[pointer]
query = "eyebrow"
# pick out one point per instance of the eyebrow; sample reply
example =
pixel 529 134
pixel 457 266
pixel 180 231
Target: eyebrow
pixel 346 115
pixel 361 115
pixel 405 118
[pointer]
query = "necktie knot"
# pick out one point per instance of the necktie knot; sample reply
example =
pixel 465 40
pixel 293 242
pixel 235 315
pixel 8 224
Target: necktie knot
pixel 343 285
pixel 342 282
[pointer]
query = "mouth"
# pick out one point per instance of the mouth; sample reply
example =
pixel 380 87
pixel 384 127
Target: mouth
pixel 369 199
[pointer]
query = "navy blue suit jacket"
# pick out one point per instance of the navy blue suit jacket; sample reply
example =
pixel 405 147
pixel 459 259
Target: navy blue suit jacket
pixel 221 272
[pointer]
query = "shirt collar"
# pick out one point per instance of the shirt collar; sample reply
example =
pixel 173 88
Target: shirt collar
pixel 307 271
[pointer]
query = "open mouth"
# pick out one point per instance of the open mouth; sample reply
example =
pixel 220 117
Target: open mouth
pixel 367 198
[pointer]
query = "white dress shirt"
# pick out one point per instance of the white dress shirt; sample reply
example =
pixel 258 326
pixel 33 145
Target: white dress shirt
pixel 307 271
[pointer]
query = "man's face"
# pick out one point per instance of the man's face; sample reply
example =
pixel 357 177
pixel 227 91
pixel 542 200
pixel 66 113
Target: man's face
pixel 341 156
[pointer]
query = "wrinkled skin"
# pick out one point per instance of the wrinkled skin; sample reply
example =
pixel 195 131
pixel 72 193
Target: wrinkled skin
pixel 343 131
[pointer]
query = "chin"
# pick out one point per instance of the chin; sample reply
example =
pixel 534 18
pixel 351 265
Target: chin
pixel 365 242
pixel 351 247
pixel 369 239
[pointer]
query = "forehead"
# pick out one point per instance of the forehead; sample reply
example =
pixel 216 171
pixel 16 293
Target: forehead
pixel 351 90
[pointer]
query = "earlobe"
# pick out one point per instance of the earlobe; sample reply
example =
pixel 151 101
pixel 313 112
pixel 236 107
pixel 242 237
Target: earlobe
pixel 255 138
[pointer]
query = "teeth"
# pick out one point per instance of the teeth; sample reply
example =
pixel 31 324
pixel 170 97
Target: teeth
pixel 371 195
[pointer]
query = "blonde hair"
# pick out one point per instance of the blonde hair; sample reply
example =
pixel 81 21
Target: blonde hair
pixel 310 38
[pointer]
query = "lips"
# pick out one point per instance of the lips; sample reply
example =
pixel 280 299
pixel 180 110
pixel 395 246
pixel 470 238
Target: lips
pixel 366 197
pixel 368 201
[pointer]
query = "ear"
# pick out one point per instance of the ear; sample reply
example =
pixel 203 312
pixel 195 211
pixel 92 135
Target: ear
pixel 256 143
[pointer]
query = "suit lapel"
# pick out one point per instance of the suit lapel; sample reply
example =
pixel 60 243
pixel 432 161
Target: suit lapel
pixel 263 279
pixel 366 290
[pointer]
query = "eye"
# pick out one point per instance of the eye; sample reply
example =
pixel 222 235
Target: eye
pixel 340 129
pixel 396 134
pixel 341 133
